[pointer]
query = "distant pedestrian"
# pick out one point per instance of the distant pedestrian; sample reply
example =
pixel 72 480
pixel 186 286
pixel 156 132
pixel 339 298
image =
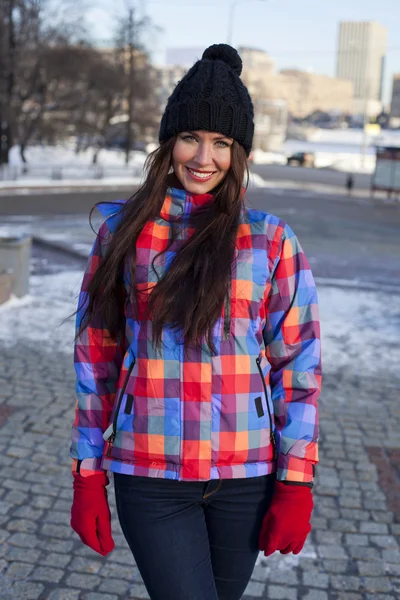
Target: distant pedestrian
pixel 197 358
pixel 349 184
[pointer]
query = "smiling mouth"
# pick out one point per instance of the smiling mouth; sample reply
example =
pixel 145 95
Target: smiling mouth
pixel 201 175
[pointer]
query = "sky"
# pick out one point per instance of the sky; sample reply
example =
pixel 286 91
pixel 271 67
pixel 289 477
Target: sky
pixel 301 34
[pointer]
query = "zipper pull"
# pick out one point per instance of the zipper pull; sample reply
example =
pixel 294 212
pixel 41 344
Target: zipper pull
pixel 274 445
pixel 108 432
pixel 109 445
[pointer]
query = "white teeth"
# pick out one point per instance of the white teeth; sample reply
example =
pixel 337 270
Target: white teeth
pixel 200 174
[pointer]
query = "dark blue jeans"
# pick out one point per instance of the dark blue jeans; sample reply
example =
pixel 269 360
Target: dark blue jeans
pixel 193 540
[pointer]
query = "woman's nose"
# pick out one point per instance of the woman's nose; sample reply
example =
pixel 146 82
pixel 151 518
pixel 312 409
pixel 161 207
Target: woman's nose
pixel 204 155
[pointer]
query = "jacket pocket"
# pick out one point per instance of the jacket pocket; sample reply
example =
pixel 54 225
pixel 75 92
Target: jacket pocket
pixel 128 404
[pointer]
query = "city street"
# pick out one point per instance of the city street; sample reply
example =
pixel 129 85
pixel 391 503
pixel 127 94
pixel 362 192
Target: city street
pixel 353 551
pixel 345 239
pixel 300 174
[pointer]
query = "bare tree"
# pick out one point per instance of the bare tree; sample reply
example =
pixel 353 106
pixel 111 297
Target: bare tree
pixel 139 101
pixel 34 28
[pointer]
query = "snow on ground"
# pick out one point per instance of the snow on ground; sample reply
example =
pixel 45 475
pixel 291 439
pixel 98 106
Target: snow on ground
pixel 338 148
pixel 64 155
pixel 357 335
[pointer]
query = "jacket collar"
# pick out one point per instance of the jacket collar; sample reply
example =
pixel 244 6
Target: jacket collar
pixel 180 204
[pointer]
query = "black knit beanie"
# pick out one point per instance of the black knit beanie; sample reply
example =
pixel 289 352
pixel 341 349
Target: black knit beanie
pixel 212 97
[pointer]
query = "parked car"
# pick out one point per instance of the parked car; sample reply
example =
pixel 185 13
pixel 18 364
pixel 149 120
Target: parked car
pixel 301 159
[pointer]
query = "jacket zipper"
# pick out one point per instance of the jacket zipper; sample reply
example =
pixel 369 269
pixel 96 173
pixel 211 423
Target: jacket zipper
pixel 272 433
pixel 111 439
pixel 227 312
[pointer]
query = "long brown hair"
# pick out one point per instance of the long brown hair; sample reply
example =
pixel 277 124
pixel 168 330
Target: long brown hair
pixel 190 295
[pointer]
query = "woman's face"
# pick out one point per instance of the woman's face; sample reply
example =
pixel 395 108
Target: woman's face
pixel 201 160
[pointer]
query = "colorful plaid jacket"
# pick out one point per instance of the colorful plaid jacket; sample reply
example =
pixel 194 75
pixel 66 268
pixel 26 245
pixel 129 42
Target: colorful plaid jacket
pixel 250 410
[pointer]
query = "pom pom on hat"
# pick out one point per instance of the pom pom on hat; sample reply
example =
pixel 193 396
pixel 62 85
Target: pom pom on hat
pixel 227 54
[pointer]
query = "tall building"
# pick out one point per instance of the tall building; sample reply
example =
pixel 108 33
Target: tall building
pixel 395 104
pixel 361 59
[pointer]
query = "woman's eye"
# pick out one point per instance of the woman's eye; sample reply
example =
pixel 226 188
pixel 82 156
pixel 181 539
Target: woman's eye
pixel 222 144
pixel 188 138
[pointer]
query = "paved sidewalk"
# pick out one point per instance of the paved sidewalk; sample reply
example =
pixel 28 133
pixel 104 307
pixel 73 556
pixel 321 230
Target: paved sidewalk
pixel 352 554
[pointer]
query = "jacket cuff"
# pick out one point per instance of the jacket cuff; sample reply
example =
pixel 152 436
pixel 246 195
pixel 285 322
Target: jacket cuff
pixel 295 471
pixel 87 467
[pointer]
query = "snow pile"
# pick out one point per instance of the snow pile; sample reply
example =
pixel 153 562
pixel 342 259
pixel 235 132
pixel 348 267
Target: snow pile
pixel 355 337
pixel 60 165
pixel 259 157
pixel 65 156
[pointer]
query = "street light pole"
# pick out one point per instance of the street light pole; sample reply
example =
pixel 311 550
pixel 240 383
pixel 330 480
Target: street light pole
pixel 232 7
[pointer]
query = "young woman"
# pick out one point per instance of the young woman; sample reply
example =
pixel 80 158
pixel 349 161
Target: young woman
pixel 197 359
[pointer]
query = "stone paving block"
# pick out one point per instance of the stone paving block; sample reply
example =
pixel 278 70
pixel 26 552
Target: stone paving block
pixel 116 586
pixel 335 552
pixel 5 507
pixel 59 546
pixel 335 566
pixel 377 584
pixel 283 576
pixel 329 537
pixel 344 525
pixel 354 514
pixel 319 523
pixel 23 554
pixel 42 502
pixel 391 556
pixel 373 528
pixel 117 571
pixel 18 570
pixel 278 592
pixel 23 540
pixel 22 525
pixel 47 574
pixel 27 512
pixel 394 528
pixel 83 580
pixel 392 569
pixel 137 592
pixel 319 580
pixel 120 555
pixel 384 516
pixel 18 452
pixel 384 541
pixel 85 565
pixel 26 590
pixel 63 532
pixel 57 517
pixel 371 568
pixel 62 505
pixel 255 589
pixel 346 583
pixel 14 484
pixel 363 553
pixel 356 539
pixel 63 594
pixel 53 559
pixel 4 535
pixel 315 595
pixel 15 498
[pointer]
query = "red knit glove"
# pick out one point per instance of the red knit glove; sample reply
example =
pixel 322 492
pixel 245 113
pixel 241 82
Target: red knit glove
pixel 90 513
pixel 287 522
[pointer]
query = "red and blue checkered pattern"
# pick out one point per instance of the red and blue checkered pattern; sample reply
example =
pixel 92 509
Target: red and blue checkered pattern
pixel 183 413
